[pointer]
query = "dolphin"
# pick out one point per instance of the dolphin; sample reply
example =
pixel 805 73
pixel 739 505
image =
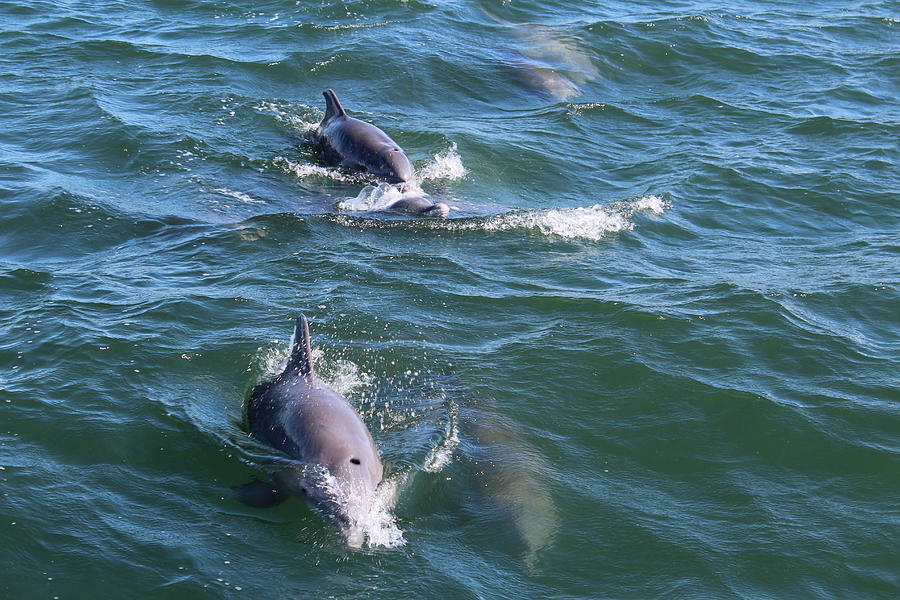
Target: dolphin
pixel 420 206
pixel 389 198
pixel 335 464
pixel 547 59
pixel 354 144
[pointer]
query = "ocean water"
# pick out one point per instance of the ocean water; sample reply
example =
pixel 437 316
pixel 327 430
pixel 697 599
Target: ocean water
pixel 652 353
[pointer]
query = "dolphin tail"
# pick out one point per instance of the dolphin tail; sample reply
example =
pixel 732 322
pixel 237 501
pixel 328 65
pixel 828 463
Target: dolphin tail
pixel 333 106
pixel 301 354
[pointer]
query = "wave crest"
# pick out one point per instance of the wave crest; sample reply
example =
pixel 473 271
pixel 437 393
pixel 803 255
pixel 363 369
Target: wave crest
pixel 590 223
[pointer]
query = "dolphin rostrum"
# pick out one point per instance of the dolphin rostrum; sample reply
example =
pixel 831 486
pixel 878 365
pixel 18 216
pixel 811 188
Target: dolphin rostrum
pixel 354 144
pixel 337 467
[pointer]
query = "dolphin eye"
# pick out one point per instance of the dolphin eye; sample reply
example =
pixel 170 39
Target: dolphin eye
pixel 395 149
pixel 355 461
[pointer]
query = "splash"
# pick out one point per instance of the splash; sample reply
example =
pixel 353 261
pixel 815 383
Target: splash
pixel 380 524
pixel 380 197
pixel 589 223
pixel 446 165
pixel 650 203
pixel 270 361
pixel 372 198
pixel 441 454
pixel 283 114
pixel 375 523
pixel 346 377
pixel 304 170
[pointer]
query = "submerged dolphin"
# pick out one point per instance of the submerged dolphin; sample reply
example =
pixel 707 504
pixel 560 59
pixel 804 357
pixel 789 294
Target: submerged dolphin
pixel 355 144
pixel 548 59
pixel 337 468
pixel 420 206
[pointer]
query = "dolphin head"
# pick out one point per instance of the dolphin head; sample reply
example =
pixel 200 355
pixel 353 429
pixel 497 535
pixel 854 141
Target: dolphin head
pixel 341 487
pixel 438 210
pixel 392 164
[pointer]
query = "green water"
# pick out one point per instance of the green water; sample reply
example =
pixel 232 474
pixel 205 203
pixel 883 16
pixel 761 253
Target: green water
pixel 653 352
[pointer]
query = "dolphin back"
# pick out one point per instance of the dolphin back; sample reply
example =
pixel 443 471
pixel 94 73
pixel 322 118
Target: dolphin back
pixel 301 353
pixel 333 106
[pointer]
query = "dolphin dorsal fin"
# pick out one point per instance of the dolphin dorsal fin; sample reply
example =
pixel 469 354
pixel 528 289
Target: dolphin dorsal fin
pixel 301 354
pixel 333 106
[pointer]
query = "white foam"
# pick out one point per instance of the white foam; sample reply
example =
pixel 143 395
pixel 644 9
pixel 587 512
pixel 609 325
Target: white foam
pixel 447 165
pixel 591 223
pixel 304 170
pixel 649 203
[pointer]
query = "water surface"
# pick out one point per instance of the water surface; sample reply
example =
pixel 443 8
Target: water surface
pixel 651 354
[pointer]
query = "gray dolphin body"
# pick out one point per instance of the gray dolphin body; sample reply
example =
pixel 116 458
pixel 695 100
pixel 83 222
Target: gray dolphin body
pixel 338 467
pixel 355 144
pixel 420 206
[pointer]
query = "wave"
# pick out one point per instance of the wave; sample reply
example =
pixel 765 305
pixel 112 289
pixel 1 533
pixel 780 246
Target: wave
pixel 238 196
pixel 589 223
pixel 442 453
